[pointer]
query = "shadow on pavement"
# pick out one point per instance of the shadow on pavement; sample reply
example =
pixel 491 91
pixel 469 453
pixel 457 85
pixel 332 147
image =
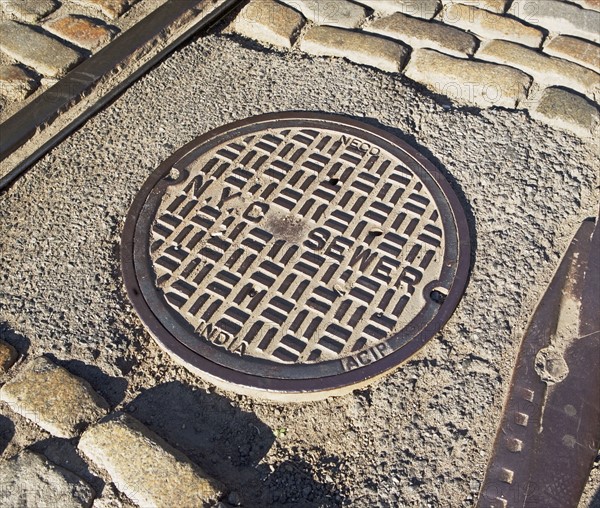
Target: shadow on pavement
pixel 294 483
pixel 64 453
pixel 596 499
pixel 228 444
pixel 7 431
pixel 220 438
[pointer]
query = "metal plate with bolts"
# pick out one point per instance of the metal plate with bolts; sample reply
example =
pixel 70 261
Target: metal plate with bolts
pixel 294 256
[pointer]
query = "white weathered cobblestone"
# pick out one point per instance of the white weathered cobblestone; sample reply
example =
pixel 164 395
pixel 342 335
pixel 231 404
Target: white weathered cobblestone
pixel 467 81
pixel 566 110
pixel 28 10
pixel 144 467
pixel 357 47
pixel 588 4
pixel 340 13
pixel 53 398
pixel 497 6
pixel 425 9
pixel 575 50
pixel 560 17
pixel 30 480
pixel 565 60
pixel 43 53
pixel 418 33
pixel 489 25
pixel 269 22
pixel 110 8
pixel 546 70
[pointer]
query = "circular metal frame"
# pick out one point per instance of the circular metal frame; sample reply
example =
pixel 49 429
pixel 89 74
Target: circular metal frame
pixel 312 381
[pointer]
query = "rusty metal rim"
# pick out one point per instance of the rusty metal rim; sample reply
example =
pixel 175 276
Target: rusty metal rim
pixel 317 384
pixel 262 367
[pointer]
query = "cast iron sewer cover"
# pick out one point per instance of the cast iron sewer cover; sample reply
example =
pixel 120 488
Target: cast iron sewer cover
pixel 294 256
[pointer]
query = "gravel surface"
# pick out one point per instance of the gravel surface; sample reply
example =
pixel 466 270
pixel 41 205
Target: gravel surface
pixel 419 437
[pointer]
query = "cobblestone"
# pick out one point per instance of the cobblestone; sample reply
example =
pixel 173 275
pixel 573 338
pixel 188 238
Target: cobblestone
pixel 544 69
pixel 496 6
pixel 269 22
pixel 71 24
pixel 425 9
pixel 573 49
pixel 29 10
pixel 8 354
pixel 338 13
pixel 396 26
pixel 568 111
pixel 478 83
pixel 424 34
pixel 559 17
pixel 80 31
pixel 357 47
pixel 45 54
pixel 478 32
pixel 144 467
pixel 110 8
pixel 53 398
pixel 588 4
pixel 490 25
pixel 30 479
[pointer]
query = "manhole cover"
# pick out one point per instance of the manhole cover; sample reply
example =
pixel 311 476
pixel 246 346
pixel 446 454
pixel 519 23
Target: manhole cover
pixel 295 255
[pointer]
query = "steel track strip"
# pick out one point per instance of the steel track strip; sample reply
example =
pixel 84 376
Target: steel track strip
pixel 550 428
pixel 46 121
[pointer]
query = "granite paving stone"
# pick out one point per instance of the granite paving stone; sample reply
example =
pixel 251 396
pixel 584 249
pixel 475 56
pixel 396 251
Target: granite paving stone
pixel 45 54
pixel 269 22
pixel 425 34
pixel 546 70
pixel 30 480
pixel 357 47
pixel 560 17
pixel 489 25
pixel 53 398
pixel 588 4
pixel 425 9
pixel 110 8
pixel 467 81
pixel 144 467
pixel 49 35
pixel 8 354
pixel 576 50
pixel 566 110
pixel 81 31
pixel 497 6
pixel 29 10
pixel 338 13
